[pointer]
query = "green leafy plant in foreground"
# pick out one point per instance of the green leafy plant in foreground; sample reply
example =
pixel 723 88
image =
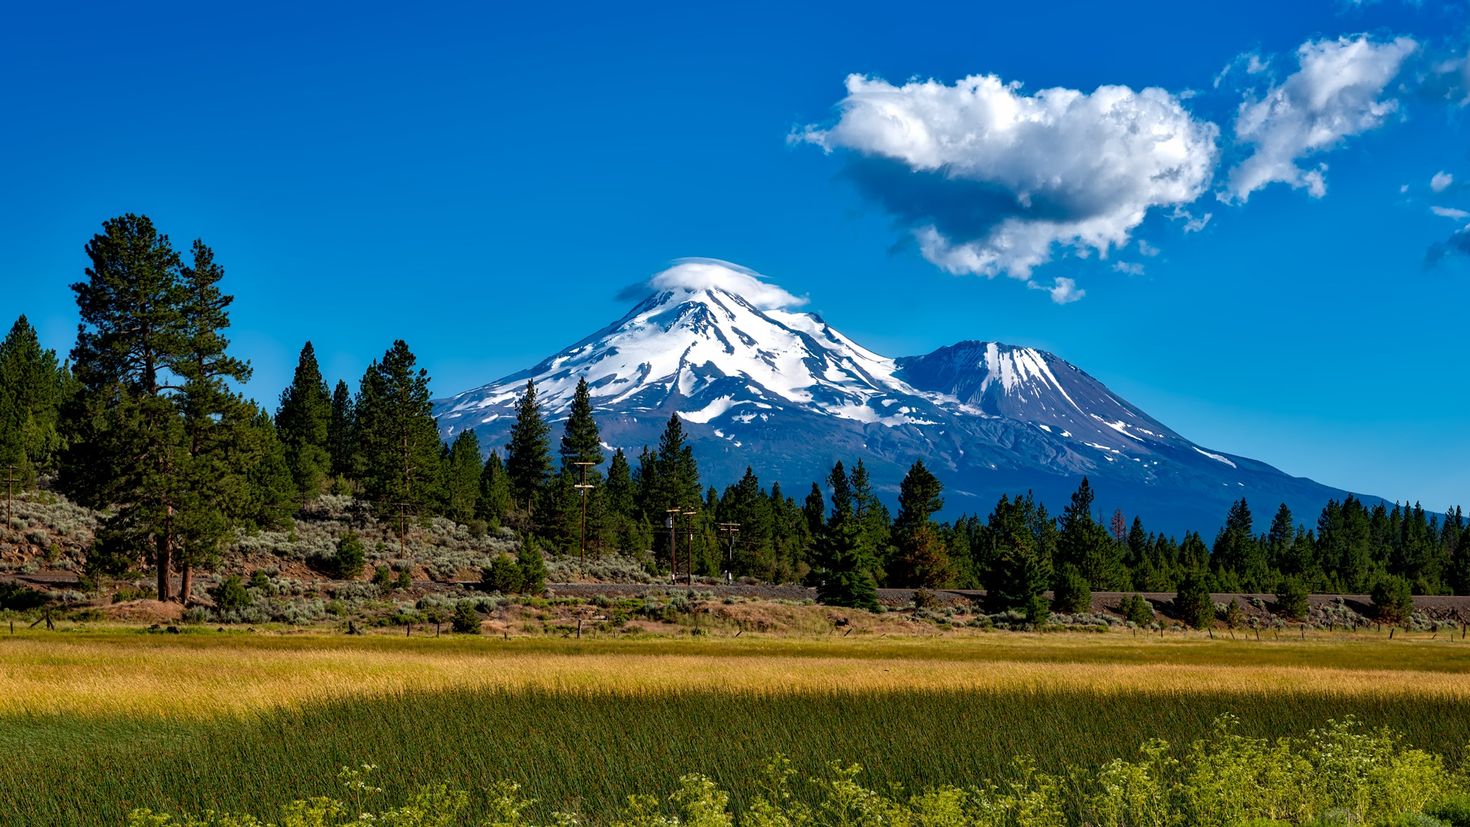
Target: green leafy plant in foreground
pixel 1341 773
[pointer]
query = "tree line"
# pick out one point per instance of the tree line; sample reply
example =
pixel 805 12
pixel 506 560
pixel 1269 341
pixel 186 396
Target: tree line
pixel 143 423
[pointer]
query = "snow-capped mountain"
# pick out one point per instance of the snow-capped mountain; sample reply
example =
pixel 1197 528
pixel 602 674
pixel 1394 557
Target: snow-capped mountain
pixel 758 382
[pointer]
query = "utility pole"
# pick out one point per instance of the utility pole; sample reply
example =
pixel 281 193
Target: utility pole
pixel 689 550
pixel 672 526
pixel 583 487
pixel 731 529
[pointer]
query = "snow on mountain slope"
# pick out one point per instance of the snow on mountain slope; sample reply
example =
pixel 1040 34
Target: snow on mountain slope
pixel 759 382
pixel 718 352
pixel 1028 385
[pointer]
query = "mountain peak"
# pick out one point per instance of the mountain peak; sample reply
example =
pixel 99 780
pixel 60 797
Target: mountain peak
pixel 702 276
pixel 733 356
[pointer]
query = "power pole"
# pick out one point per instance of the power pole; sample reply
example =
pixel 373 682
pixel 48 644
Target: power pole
pixel 731 529
pixel 583 487
pixel 672 525
pixel 689 550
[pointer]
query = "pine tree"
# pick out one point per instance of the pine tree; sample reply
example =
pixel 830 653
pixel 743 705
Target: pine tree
pixel 493 503
pixel 749 507
pixel 1459 569
pixel 32 389
pixel 462 477
pixel 1019 573
pixel 270 490
pixel 303 420
pixel 155 430
pixel 621 494
pixel 620 503
pixel 1237 559
pixel 1280 538
pixel 398 446
pixel 922 560
pixel 677 475
pixel 872 515
pixel 580 442
pixel 341 443
pixel 528 455
pixel 533 567
pixel 844 567
pixel 814 510
pixel 1085 545
pixel 1193 603
pixel 214 419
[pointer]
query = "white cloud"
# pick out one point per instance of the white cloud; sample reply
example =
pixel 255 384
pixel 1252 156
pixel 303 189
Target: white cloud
pixel 1131 268
pixel 712 273
pixel 990 180
pixel 1249 62
pixel 1441 181
pixel 1062 291
pixel 1192 223
pixel 1333 95
pixel 1450 212
pixel 1146 249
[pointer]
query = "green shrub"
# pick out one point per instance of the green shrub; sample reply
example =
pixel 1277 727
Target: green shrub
pixel 383 577
pixel 1136 610
pixel 1337 775
pixel 1234 614
pixel 1071 594
pixel 347 563
pixel 16 597
pixel 1454 811
pixel 466 619
pixel 502 575
pixel 1037 612
pixel 260 581
pixel 1193 604
pixel 533 568
pixel 1291 598
pixel 230 595
pixel 1393 602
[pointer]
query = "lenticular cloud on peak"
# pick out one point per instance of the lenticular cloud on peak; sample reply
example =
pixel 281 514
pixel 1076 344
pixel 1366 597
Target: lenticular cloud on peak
pixel 713 274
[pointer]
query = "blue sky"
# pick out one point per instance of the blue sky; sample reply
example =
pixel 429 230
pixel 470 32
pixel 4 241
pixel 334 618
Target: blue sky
pixel 483 180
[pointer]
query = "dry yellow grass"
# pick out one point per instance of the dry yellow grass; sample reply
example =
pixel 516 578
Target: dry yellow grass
pixel 200 676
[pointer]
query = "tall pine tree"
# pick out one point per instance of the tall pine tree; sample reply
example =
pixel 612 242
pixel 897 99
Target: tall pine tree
pixel 341 441
pixel 580 441
pixel 845 566
pixel 1084 545
pixel 398 446
pixel 528 454
pixel 215 420
pixel 462 477
pixel 922 559
pixel 32 389
pixel 303 420
pixel 493 503
pixel 157 432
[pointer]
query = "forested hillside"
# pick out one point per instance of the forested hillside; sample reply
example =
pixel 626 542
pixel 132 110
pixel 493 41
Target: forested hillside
pixel 143 426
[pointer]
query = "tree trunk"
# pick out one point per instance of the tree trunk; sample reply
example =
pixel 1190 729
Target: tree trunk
pixel 162 560
pixel 186 583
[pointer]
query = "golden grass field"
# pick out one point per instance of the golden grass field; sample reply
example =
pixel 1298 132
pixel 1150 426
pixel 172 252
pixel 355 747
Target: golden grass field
pixel 203 675
pixel 178 721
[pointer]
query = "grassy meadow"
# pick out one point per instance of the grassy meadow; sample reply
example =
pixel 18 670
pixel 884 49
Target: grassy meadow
pixel 94 724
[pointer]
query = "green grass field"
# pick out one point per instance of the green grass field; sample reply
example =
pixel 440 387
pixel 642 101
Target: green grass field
pixel 93 725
